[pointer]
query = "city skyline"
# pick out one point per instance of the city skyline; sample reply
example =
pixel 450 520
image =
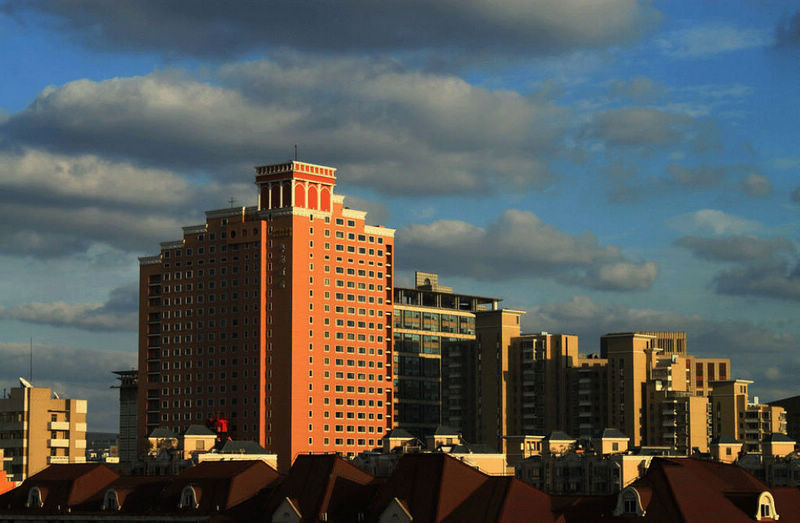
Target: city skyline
pixel 632 170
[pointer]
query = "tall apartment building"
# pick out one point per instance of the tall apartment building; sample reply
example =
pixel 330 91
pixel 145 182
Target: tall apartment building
pixel 434 364
pixel 451 361
pixel 540 381
pixel 735 416
pixel 494 408
pixel 276 317
pixel 37 428
pixel 675 416
pixel 128 395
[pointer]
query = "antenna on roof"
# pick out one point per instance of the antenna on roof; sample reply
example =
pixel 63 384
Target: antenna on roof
pixel 295 152
pixel 231 201
pixel 30 365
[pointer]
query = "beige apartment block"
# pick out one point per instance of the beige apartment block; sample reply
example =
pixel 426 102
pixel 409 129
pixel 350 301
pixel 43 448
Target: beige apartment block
pixel 494 330
pixel 704 371
pixel 538 379
pixel 735 416
pixel 37 428
pixel 629 355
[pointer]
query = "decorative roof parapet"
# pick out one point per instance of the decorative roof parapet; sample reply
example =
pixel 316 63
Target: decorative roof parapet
pixel 149 260
pixel 231 211
pixel 172 245
pixel 195 229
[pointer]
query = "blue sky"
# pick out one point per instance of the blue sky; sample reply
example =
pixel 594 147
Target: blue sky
pixel 604 166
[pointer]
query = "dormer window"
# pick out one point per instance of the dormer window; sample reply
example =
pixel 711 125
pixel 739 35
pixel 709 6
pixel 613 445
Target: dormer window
pixel 629 503
pixel 188 498
pixel 766 507
pixel 111 500
pixel 34 498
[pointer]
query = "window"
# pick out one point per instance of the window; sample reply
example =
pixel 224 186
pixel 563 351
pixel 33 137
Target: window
pixel 188 498
pixel 110 500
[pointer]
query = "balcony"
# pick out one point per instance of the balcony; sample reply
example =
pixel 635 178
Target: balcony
pixel 58 443
pixel 59 425
pixel 57 459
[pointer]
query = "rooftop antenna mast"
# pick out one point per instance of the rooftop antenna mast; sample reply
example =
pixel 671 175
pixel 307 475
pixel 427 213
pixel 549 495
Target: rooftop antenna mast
pixel 295 152
pixel 231 201
pixel 30 364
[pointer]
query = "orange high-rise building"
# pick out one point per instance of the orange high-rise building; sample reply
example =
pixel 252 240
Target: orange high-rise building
pixel 275 317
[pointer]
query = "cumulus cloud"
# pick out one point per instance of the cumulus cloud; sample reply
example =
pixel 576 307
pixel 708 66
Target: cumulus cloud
pixel 119 313
pixel 756 185
pixel 651 128
pixel 519 244
pixel 377 213
pixel 766 267
pixel 709 40
pixel 220 29
pixel 425 133
pixel 713 221
pixel 638 126
pixel 73 372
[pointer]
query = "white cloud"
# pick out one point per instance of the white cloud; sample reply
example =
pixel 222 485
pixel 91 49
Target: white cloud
pixel 712 39
pixel 518 244
pixel 713 221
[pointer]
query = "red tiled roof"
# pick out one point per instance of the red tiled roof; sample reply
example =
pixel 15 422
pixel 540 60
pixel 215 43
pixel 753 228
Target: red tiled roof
pixel 66 485
pixel 432 486
pixel 312 480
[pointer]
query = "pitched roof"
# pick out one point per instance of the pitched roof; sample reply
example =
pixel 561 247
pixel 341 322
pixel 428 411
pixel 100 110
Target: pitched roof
pixel 431 486
pixel 558 435
pixel 692 489
pixel 162 432
pixel 611 433
pixel 197 430
pixel 725 440
pixel 66 485
pixel 222 484
pixel 319 483
pixel 398 433
pixel 778 437
pixel 503 499
pixel 444 430
pixel 242 446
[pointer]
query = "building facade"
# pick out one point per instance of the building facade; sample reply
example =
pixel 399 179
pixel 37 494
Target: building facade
pixel 276 318
pixel 128 395
pixel 451 361
pixel 37 429
pixel 735 416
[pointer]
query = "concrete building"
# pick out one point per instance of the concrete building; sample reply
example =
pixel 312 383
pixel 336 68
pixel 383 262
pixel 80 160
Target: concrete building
pixel 735 416
pixel 792 407
pixel 451 361
pixel 37 428
pixel 128 394
pixel 434 348
pixel 539 383
pixel 275 317
pixel 676 417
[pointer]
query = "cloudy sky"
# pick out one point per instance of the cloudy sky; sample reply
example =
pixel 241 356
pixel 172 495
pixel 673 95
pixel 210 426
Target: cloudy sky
pixel 622 165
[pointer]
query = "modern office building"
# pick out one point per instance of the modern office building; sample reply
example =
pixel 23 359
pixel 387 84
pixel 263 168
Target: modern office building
pixel 275 317
pixel 37 428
